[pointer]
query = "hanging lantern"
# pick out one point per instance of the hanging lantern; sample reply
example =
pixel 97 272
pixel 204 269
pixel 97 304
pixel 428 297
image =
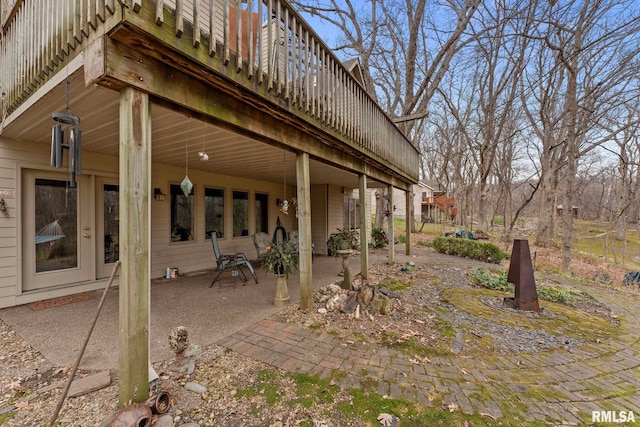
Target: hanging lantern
pixel 186 185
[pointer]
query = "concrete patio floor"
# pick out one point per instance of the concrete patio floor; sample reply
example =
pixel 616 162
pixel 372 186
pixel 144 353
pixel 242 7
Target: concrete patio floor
pixel 209 314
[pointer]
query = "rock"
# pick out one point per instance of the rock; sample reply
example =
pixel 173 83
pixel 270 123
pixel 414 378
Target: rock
pixel 322 310
pixel 195 387
pixel 365 294
pixel 387 292
pixel 336 302
pixel 358 281
pixel 165 421
pixel 350 304
pixel 191 366
pixel 192 350
pixel 381 304
pixel 88 384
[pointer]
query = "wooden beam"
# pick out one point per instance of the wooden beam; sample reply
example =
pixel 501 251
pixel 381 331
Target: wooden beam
pixel 390 227
pixel 409 216
pixel 135 180
pixel 126 66
pixel 365 220
pixel 304 230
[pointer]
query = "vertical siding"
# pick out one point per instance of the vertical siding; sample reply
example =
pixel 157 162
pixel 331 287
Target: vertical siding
pixel 319 219
pixel 334 208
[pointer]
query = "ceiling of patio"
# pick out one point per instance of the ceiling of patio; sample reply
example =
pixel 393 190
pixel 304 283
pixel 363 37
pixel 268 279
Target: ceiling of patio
pixel 229 153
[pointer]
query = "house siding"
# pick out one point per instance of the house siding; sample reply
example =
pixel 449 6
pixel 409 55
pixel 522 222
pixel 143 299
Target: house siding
pixel 188 256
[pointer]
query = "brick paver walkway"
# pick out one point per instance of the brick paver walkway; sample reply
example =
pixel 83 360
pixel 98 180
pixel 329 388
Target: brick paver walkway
pixel 556 387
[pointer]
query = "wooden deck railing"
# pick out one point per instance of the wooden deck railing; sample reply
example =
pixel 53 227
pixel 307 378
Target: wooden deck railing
pixel 274 47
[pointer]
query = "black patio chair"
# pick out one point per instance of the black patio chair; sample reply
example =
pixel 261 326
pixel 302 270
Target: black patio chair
pixel 230 262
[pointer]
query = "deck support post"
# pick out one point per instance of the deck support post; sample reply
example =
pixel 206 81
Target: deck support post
pixel 390 235
pixel 409 225
pixel 134 303
pixel 304 230
pixel 365 220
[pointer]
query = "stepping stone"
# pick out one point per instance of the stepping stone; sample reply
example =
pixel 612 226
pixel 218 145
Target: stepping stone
pixel 88 384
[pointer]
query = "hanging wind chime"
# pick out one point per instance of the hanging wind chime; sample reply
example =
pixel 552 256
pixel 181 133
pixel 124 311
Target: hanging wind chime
pixel 201 154
pixel 284 206
pixel 186 185
pixel 73 144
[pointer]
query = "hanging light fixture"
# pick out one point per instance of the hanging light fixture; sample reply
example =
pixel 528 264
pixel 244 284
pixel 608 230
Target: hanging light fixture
pixel 284 206
pixel 74 137
pixel 201 154
pixel 186 185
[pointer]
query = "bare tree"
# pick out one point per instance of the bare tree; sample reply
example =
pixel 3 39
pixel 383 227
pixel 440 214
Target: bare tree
pixel 586 52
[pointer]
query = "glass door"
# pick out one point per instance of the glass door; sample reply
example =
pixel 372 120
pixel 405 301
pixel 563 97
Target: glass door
pixel 56 231
pixel 108 226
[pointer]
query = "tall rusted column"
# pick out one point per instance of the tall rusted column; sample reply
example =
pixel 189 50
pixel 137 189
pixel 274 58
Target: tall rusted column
pixel 521 275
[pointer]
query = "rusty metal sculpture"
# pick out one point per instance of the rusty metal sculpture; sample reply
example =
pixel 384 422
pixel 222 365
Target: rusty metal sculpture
pixel 136 415
pixel 139 414
pixel 521 275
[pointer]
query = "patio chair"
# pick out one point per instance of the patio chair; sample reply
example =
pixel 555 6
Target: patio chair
pixel 230 262
pixel 293 238
pixel 262 242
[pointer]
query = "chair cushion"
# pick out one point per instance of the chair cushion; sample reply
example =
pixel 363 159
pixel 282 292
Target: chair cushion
pixel 261 241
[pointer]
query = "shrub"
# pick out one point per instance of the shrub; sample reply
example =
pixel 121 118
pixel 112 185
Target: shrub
pixel 556 294
pixel 483 277
pixel 481 251
pixel 379 238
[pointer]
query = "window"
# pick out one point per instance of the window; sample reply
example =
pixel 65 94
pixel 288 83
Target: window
pixel 240 213
pixel 262 213
pixel 351 218
pixel 214 212
pixel 181 215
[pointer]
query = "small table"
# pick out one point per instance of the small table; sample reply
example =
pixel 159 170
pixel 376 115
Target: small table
pixel 229 281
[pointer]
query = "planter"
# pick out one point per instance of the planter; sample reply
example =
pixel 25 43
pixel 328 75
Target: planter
pixel 282 291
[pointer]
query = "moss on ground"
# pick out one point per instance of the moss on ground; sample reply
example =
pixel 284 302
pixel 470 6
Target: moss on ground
pixel 565 320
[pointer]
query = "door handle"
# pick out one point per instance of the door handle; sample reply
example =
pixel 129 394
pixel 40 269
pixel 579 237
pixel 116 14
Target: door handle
pixel 86 235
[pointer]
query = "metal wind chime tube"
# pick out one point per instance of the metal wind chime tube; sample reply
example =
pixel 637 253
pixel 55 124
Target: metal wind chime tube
pixel 73 144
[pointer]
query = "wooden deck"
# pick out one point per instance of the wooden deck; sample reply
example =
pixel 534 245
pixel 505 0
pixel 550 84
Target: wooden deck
pixel 266 58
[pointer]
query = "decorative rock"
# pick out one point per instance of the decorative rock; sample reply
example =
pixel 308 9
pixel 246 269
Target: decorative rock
pixel 365 294
pixel 192 350
pixel 88 384
pixel 322 310
pixel 195 387
pixel 350 304
pixel 381 304
pixel 336 302
pixel 387 292
pixel 165 421
pixel 191 366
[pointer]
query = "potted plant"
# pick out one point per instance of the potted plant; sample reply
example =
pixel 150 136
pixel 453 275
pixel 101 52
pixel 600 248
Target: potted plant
pixel 344 239
pixel 281 259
